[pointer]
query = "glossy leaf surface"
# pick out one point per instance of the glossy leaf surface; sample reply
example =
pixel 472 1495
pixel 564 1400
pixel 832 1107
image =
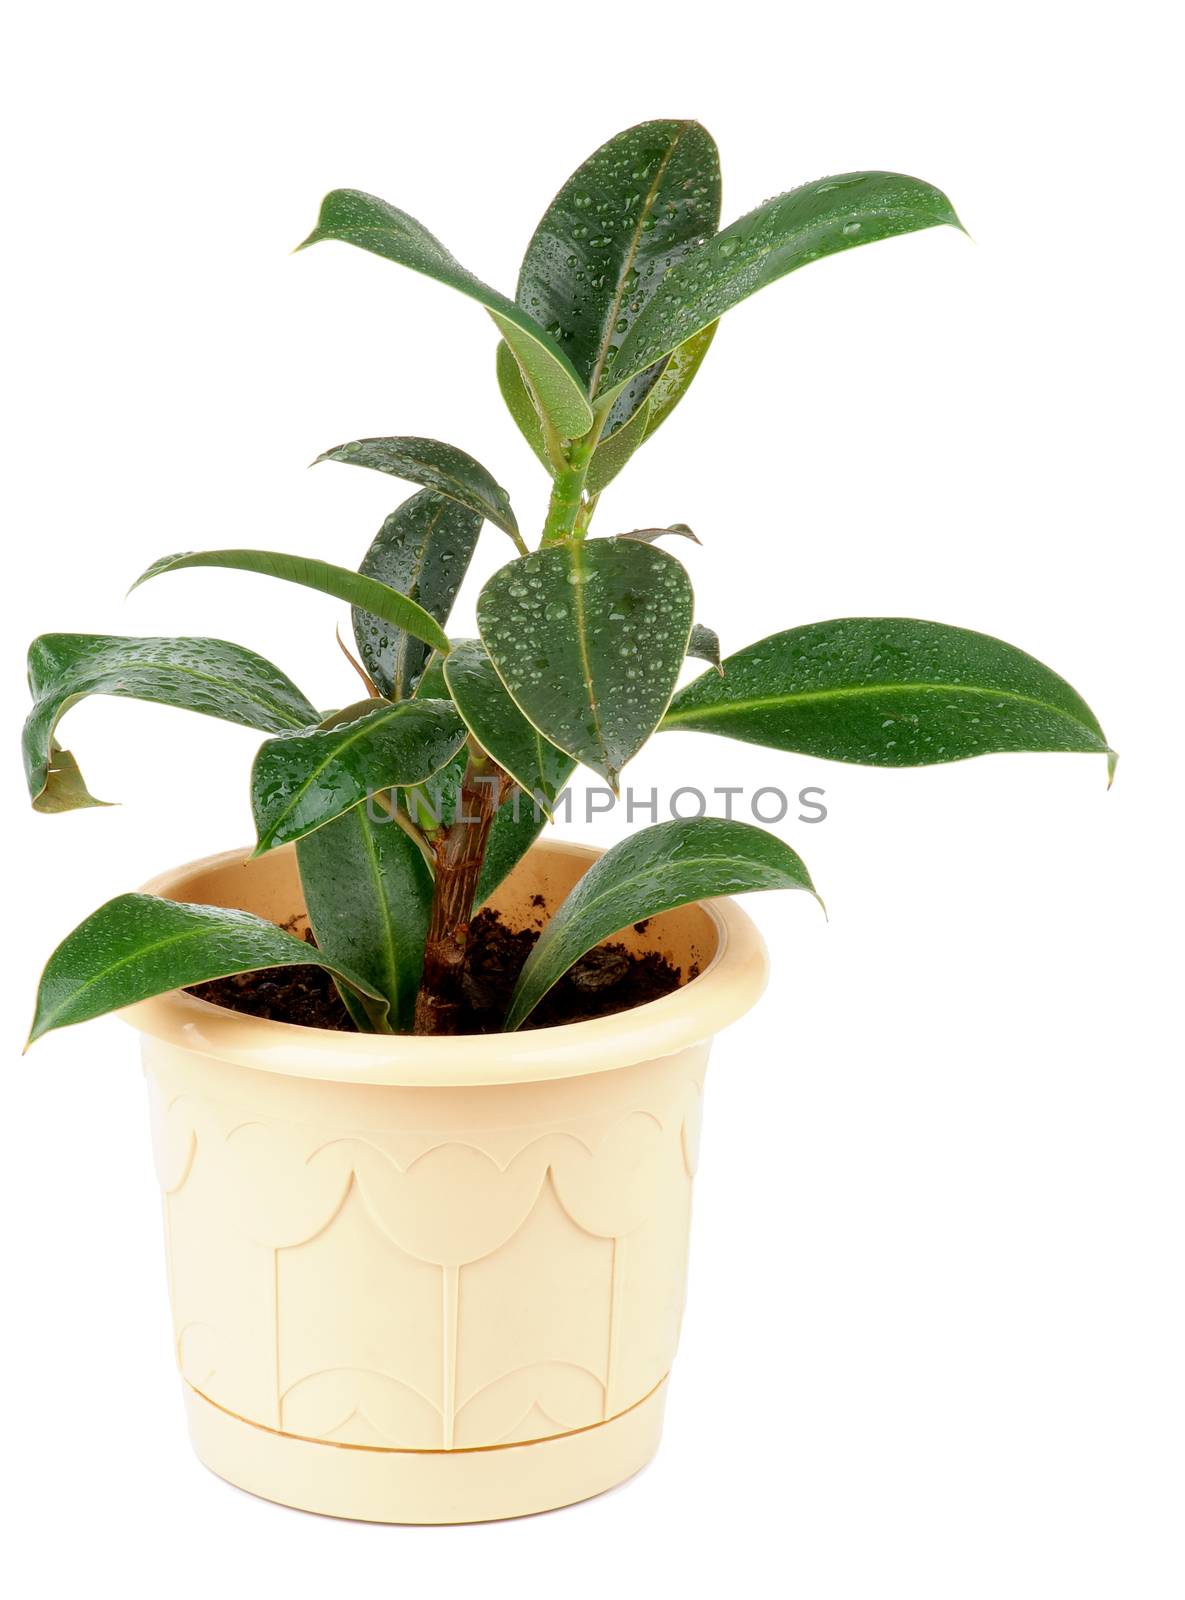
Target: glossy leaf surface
pixel 614 451
pixel 589 637
pixel 423 549
pixel 704 645
pixel 368 892
pixel 517 825
pixel 677 375
pixel 500 727
pixel 888 692
pixel 212 676
pixel 808 223
pixel 304 780
pixel 654 870
pixel 137 946
pixel 520 404
pixel 630 212
pixel 353 587
pixel 664 384
pixel 517 822
pixel 649 535
pixel 372 224
pixel 435 465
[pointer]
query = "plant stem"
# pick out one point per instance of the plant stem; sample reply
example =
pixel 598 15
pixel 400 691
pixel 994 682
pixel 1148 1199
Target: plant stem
pixel 458 850
pixel 568 511
pixel 585 515
pixel 567 493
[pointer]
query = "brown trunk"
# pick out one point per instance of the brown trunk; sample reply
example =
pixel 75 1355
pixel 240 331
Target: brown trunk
pixel 459 850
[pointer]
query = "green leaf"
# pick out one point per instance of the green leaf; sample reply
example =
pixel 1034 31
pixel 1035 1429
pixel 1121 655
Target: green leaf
pixel 888 692
pixel 368 891
pixel 500 727
pixel 588 637
pixel 521 406
pixel 212 676
pixel 704 645
pixel 816 220
pixel 614 451
pixel 643 406
pixel 676 376
pixel 137 946
pixel 517 822
pixel 517 825
pixel 360 219
pixel 442 790
pixel 664 384
pixel 303 780
pixel 437 466
pixel 65 787
pixel 423 550
pixel 630 212
pixel 432 685
pixel 352 587
pixel 649 535
pixel 656 869
pixel 434 802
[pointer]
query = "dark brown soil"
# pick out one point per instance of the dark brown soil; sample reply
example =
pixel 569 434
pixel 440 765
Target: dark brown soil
pixel 608 979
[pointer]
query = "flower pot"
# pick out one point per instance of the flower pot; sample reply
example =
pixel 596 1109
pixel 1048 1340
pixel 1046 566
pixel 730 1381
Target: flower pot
pixel 432 1280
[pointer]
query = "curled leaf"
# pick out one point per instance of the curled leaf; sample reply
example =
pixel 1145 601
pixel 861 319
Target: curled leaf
pixel 212 676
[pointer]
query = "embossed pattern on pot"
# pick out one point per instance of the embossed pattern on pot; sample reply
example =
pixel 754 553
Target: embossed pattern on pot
pixel 354 1264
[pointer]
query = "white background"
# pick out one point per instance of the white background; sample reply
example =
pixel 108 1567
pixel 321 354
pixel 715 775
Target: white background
pixel 934 1339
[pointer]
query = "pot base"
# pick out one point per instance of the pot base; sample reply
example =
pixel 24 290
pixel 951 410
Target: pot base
pixel 371 1484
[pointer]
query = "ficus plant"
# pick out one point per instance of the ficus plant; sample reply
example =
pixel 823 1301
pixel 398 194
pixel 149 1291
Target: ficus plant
pixel 409 805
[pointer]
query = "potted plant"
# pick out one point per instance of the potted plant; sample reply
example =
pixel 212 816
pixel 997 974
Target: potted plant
pixel 425 1089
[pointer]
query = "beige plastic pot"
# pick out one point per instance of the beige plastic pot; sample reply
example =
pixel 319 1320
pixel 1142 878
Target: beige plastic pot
pixel 432 1280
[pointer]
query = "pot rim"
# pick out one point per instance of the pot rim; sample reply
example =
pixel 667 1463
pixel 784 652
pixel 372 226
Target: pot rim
pixel 724 990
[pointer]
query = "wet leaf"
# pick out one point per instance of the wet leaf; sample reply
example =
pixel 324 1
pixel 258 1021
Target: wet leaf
pixel 303 780
pixel 517 822
pixel 521 406
pixel 613 452
pixel 676 377
pixel 65 787
pixel 650 397
pixel 654 870
pixel 353 587
pixel 500 727
pixel 212 676
pixel 437 466
pixel 704 645
pixel 808 223
pixel 137 946
pixel 625 216
pixel 371 224
pixel 588 637
pixel 517 825
pixel 888 692
pixel 368 892
pixel 649 535
pixel 423 550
